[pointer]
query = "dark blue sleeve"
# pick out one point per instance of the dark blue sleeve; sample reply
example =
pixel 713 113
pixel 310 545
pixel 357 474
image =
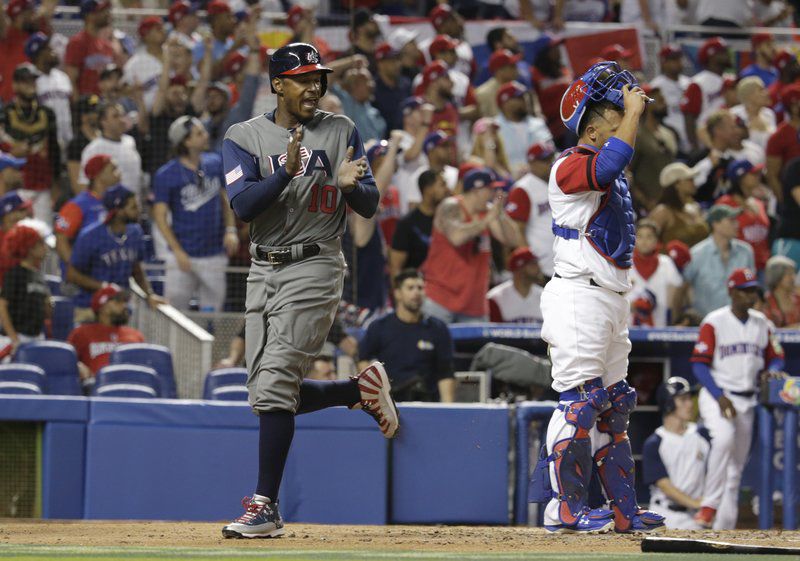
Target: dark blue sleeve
pixel 613 158
pixel 249 193
pixel 777 364
pixel 81 252
pixel 702 373
pixel 364 198
pixel 444 351
pixel 703 431
pixel 653 467
pixel 161 185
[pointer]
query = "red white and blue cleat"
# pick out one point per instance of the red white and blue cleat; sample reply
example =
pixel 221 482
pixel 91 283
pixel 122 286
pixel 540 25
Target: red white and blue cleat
pixel 376 398
pixel 595 521
pixel 260 520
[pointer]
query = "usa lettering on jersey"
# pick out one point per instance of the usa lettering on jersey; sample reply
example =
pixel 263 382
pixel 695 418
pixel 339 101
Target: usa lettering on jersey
pixel 310 161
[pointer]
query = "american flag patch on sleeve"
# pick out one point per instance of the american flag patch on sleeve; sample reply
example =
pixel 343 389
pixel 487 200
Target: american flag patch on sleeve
pixel 233 175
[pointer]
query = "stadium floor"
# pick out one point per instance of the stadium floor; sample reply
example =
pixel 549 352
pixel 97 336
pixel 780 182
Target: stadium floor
pixel 187 541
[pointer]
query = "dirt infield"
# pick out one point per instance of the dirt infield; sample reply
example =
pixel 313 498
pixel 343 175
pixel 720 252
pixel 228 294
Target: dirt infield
pixel 466 539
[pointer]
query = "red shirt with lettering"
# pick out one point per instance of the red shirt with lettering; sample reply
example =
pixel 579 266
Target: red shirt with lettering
pixel 94 342
pixel 89 54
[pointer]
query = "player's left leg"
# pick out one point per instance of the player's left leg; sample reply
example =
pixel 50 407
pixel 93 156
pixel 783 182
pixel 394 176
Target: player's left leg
pixel 728 511
pixel 613 456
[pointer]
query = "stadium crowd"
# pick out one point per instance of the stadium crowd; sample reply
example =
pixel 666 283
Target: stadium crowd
pixel 113 141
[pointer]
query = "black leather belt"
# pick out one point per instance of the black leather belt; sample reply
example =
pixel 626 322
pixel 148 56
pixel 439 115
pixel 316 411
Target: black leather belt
pixel 744 394
pixel 284 255
pixel 591 283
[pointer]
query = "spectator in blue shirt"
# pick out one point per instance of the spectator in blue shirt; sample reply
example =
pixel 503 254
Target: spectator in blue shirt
pixel 763 54
pixel 391 87
pixel 715 258
pixel 416 349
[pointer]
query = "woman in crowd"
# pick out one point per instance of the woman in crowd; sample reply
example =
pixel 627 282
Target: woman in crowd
pixel 488 147
pixel 782 304
pixel 678 214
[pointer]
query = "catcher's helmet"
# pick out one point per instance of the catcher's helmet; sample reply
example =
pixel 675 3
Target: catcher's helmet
pixel 603 81
pixel 297 58
pixel 668 391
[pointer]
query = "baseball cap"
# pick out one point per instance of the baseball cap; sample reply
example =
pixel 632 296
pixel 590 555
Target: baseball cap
pixel 670 51
pixel 478 178
pixel 434 70
pixel 16 7
pixel 616 52
pixel 439 14
pixel 106 294
pixel 110 69
pixel 181 127
pixel 483 124
pixel 221 87
pixel 790 94
pixel 20 239
pixel 434 139
pixel 759 38
pixel 509 91
pixel 719 212
pixel 384 51
pixel 541 151
pixel 411 103
pixel 149 23
pixel 782 59
pixel 711 47
pixel 467 167
pixel 737 168
pixel 12 201
pixel 35 44
pixel 400 37
pixel 376 150
pixel 519 258
pixel 233 63
pixel 25 71
pixel 294 15
pixel 674 172
pixel 93 6
pixel 9 161
pixel 95 165
pixel 216 7
pixel 180 9
pixel 501 58
pixel 442 43
pixel 115 197
pixel 729 80
pixel 679 252
pixel 669 390
pixel 742 278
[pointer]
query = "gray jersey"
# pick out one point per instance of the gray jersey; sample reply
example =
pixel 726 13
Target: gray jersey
pixel 311 207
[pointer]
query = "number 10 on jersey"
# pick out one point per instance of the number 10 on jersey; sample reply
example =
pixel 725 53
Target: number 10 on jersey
pixel 323 198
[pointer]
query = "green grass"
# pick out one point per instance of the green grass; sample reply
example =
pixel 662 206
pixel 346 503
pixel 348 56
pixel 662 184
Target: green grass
pixel 267 553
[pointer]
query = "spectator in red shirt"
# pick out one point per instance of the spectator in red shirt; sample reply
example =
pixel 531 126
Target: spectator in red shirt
pixel 437 89
pixel 87 52
pixel 783 146
pixel 94 342
pixel 788 73
pixel 22 22
pixel 782 302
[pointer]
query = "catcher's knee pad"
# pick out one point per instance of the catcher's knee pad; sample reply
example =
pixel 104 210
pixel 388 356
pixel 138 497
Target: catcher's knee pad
pixel 615 460
pixel 571 458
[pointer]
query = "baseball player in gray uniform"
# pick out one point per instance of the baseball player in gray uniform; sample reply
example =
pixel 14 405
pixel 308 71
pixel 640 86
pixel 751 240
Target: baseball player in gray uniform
pixel 289 174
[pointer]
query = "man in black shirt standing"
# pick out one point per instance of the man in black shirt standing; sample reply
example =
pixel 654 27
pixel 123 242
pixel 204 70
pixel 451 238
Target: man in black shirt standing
pixel 87 129
pixel 788 242
pixel 413 233
pixel 416 349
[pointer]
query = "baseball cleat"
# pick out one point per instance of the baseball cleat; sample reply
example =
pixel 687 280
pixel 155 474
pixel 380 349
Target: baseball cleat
pixel 705 517
pixel 376 398
pixel 596 521
pixel 644 522
pixel 260 520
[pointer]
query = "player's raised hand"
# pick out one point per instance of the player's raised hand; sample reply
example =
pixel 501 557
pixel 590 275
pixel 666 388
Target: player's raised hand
pixel 350 171
pixel 293 162
pixel 634 99
pixel 726 407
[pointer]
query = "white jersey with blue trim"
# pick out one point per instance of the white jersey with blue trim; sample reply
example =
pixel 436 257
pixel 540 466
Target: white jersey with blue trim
pixel 680 457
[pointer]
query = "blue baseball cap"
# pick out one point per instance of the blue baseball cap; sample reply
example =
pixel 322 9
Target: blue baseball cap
pixel 434 139
pixel 12 201
pixel 35 44
pixel 737 168
pixel 477 178
pixel 116 197
pixel 378 149
pixel 9 161
pixel 92 6
pixel 411 103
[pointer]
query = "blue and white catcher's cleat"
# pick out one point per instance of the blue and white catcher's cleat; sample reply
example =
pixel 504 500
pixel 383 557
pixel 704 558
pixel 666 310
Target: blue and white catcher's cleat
pixel 595 521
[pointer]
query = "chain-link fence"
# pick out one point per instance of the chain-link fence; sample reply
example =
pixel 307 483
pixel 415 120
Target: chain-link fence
pixel 20 470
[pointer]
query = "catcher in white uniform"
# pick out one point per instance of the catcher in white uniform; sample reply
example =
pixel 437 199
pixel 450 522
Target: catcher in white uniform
pixel 734 347
pixel 586 314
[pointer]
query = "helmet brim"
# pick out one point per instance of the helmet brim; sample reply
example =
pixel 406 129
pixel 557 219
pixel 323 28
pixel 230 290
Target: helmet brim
pixel 305 70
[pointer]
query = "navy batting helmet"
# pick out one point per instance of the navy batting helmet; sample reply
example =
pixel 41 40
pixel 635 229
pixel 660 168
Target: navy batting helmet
pixel 668 391
pixel 297 58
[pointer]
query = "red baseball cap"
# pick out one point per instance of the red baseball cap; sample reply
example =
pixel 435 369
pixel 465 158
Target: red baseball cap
pixel 501 58
pixel 439 14
pixel 216 7
pixel 103 295
pixel 149 23
pixel 742 278
pixel 434 70
pixel 541 151
pixel 710 48
pixel 759 38
pixel 294 15
pixel 178 10
pixel 467 167
pixel 234 63
pixel 95 165
pixel 384 51
pixel 519 258
pixel 669 51
pixel 616 52
pixel 16 7
pixel 782 59
pixel 679 253
pixel 442 43
pixel 509 91
pixel 790 94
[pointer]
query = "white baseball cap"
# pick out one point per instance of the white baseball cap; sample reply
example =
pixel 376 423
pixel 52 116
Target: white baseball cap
pixel 401 37
pixel 674 172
